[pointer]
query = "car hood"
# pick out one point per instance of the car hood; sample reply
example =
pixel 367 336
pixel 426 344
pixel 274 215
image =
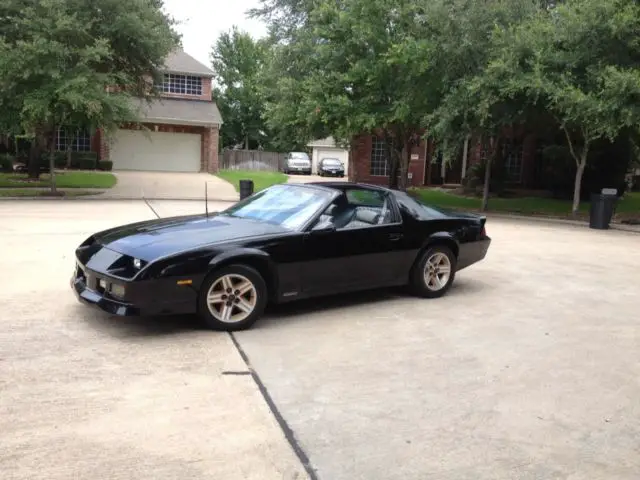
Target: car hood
pixel 158 238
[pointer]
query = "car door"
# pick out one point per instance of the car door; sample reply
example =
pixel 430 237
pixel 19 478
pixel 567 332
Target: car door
pixel 356 255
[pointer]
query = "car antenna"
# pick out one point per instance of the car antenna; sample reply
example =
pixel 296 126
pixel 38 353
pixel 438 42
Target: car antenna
pixel 206 201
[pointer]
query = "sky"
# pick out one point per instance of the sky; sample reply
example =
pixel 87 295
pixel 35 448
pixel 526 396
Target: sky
pixel 202 21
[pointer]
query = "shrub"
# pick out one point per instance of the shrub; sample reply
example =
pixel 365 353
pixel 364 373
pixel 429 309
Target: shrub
pixel 105 165
pixel 6 163
pixel 59 160
pixel 474 180
pixel 84 160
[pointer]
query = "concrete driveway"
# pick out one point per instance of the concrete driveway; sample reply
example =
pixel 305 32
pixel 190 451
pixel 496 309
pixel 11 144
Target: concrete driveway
pixel 169 186
pixel 528 369
pixel 86 396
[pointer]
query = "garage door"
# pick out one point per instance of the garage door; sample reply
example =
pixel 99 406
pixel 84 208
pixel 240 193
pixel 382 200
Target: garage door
pixel 340 154
pixel 155 151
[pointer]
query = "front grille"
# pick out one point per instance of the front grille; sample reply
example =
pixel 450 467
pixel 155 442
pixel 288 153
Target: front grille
pixel 80 275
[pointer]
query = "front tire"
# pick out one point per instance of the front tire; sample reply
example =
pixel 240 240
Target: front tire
pixel 232 298
pixel 434 272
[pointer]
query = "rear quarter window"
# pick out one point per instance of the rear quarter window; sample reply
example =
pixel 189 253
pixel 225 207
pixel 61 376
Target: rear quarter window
pixel 417 209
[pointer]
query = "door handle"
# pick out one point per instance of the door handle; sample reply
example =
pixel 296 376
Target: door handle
pixel 394 237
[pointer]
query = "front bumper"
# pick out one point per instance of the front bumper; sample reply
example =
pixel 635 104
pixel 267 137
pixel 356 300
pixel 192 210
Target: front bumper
pixel 333 173
pixel 83 279
pixel 294 169
pixel 157 297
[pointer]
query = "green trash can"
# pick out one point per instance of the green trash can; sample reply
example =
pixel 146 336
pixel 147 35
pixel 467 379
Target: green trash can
pixel 603 206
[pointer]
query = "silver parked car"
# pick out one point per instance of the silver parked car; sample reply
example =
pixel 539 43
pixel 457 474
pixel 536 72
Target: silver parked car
pixel 297 162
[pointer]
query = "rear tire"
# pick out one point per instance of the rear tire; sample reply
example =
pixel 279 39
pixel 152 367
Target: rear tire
pixel 434 272
pixel 232 298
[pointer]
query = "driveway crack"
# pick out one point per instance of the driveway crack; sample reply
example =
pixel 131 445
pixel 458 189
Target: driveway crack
pixel 286 429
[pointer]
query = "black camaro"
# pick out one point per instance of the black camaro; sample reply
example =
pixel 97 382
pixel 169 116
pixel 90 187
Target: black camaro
pixel 284 243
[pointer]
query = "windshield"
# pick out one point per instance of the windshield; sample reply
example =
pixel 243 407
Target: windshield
pixel 331 161
pixel 289 206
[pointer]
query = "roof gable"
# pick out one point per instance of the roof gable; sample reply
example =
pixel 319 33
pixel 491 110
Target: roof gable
pixel 180 61
pixel 325 142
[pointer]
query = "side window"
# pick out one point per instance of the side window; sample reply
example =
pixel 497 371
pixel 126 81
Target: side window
pixel 365 198
pixel 368 208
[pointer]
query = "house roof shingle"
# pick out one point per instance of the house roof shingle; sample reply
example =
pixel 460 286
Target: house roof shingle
pixel 180 61
pixel 178 112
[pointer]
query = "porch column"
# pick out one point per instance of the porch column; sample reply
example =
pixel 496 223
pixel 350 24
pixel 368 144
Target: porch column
pixel 103 145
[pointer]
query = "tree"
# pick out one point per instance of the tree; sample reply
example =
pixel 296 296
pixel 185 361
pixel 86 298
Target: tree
pixel 58 59
pixel 473 101
pixel 582 62
pixel 352 68
pixel 238 61
pixel 284 17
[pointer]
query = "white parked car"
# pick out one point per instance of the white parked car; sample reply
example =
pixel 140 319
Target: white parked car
pixel 297 162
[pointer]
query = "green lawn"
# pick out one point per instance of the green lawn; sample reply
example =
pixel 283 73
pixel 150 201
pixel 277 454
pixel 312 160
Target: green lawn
pixel 525 205
pixel 68 179
pixel 261 180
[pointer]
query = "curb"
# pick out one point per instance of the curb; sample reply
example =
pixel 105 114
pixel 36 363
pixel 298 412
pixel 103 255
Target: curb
pixel 561 221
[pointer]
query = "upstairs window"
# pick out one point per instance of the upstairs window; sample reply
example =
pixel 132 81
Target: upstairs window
pixel 182 84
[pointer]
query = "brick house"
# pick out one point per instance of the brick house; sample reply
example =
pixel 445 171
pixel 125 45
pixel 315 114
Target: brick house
pixel 368 162
pixel 181 128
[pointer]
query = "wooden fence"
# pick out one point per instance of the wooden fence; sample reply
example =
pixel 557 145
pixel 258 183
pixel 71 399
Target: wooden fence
pixel 252 160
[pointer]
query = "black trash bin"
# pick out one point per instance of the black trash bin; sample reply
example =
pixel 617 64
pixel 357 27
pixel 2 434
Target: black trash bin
pixel 603 205
pixel 246 188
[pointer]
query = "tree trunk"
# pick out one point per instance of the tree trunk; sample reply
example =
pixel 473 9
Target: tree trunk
pixel 34 160
pixel 494 143
pixel 577 186
pixel 52 164
pixel 393 173
pixel 393 168
pixel 404 168
pixel 69 151
pixel 581 163
pixel 246 142
pixel 38 146
pixel 487 184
